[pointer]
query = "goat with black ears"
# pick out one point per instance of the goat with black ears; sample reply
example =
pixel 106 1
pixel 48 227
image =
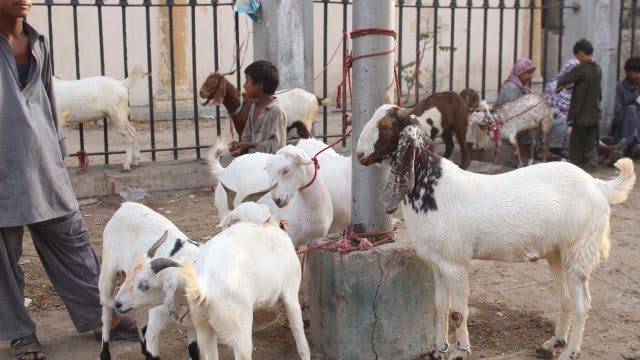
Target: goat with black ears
pixel 454 216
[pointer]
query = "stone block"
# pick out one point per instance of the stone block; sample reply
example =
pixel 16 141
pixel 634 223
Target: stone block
pixel 375 304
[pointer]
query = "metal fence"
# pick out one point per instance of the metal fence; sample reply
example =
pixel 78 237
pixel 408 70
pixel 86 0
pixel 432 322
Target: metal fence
pixel 441 45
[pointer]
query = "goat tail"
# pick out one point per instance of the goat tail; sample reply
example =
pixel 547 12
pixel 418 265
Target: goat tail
pixel 617 190
pixel 324 102
pixel 194 291
pixel 213 157
pixel 136 74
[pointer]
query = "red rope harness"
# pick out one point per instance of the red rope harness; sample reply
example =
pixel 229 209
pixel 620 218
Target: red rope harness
pixel 497 122
pixel 83 162
pixel 314 159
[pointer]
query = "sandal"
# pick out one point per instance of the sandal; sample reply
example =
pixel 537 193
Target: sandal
pixel 125 330
pixel 27 347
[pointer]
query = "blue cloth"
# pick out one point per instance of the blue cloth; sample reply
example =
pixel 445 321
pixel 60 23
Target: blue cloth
pixel 249 7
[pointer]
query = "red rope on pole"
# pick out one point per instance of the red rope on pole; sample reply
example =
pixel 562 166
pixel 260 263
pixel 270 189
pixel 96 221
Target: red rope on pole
pixel 83 162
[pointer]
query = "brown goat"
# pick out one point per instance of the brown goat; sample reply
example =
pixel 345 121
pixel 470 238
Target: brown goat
pixel 220 91
pixel 442 115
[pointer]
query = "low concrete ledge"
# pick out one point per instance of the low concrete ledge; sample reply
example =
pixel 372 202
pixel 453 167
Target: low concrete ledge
pixel 103 180
pixel 374 304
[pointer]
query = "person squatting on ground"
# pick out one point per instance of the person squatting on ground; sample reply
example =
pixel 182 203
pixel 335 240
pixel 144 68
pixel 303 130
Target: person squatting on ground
pixel 627 115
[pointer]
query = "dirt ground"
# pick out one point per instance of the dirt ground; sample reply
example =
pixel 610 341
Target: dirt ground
pixel 513 306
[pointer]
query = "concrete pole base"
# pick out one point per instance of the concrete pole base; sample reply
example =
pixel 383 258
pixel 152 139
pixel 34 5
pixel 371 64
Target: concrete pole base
pixel 375 304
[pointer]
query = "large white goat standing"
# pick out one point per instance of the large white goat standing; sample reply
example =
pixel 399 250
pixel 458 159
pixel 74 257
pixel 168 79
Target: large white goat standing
pixel 553 211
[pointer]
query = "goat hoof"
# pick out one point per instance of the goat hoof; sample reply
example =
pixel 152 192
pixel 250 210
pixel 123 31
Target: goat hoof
pixel 105 354
pixel 125 171
pixel 542 353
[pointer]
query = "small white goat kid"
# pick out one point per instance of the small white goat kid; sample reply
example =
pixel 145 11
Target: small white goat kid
pixel 553 211
pixel 244 268
pixel 130 242
pixel 97 97
pixel 244 179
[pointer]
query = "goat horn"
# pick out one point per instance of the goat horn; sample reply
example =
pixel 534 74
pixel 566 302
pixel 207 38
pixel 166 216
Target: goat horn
pixel 160 264
pixel 152 250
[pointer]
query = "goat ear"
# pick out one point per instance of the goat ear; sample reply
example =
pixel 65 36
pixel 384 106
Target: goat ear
pixel 402 176
pixel 228 220
pixel 160 264
pixel 221 92
pixel 152 250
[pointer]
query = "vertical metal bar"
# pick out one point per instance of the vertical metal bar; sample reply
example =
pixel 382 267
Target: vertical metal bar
pixel 517 30
pixel 485 9
pixel 345 4
pixel 399 65
pixel 194 75
pixel 619 55
pixel 325 26
pixel 453 6
pixel 216 60
pixel 532 10
pixel 50 23
pixel 123 7
pixel 634 4
pixel 236 25
pixel 74 4
pixel 545 51
pixel 560 34
pixel 105 131
pixel 500 40
pixel 434 73
pixel 416 72
pixel 152 127
pixel 174 118
pixel 468 59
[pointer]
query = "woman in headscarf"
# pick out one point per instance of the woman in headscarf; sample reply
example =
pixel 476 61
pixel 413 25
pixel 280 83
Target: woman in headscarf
pixel 518 83
pixel 560 129
pixel 515 86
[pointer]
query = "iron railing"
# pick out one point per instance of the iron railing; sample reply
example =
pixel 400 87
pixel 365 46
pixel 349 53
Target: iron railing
pixel 465 22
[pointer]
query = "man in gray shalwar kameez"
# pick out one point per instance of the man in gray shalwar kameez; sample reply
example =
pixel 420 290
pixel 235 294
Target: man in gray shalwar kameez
pixel 35 190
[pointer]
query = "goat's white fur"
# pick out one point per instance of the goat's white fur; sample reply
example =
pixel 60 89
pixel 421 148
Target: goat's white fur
pixel 132 230
pixel 244 268
pixel 299 105
pixel 97 97
pixel 245 175
pixel 250 212
pixel 552 211
pixel 525 113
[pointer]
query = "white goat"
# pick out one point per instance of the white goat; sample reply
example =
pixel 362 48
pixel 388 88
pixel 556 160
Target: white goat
pixel 250 212
pixel 244 268
pixel 244 179
pixel 130 240
pixel 552 211
pixel 97 97
pixel 525 113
